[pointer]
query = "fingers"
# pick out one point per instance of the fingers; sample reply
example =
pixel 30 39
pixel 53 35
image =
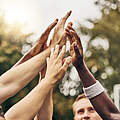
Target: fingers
pixel 73 32
pixel 68 28
pixel 51 26
pixel 65 65
pixel 76 39
pixel 45 35
pixel 54 52
pixel 63 20
pixel 62 40
pixel 61 54
pixel 76 50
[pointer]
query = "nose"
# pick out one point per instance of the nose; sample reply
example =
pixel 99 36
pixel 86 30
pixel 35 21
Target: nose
pixel 86 118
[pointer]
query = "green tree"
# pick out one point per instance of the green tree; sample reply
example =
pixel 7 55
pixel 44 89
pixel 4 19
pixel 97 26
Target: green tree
pixel 11 42
pixel 102 54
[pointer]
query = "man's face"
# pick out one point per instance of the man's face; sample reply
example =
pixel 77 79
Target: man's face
pixel 85 111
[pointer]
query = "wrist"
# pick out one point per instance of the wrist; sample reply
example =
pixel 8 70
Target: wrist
pixel 80 66
pixel 48 82
pixel 93 90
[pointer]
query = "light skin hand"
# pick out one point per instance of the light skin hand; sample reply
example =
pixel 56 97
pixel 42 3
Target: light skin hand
pixel 59 34
pixel 55 67
pixel 47 107
pixel 55 72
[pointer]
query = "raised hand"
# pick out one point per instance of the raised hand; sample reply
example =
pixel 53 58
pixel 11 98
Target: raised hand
pixel 41 43
pixel 59 35
pixel 55 67
pixel 39 46
pixel 76 50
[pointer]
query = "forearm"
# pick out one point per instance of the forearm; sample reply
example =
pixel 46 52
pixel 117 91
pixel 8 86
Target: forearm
pixel 102 103
pixel 26 57
pixel 27 108
pixel 16 78
pixel 46 110
pixel 85 75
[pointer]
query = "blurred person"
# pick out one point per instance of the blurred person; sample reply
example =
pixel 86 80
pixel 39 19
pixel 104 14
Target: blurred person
pixel 92 88
pixel 10 83
pixel 83 109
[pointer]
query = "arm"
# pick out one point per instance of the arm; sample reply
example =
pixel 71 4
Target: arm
pixel 17 77
pixel 46 111
pixel 102 103
pixel 14 77
pixel 34 100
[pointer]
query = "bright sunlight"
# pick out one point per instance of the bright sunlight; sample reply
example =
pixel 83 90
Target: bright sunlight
pixel 15 15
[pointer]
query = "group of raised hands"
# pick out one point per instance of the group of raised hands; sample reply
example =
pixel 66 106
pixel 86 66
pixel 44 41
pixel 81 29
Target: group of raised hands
pixel 50 63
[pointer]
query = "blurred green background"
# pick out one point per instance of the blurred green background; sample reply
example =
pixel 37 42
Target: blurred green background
pixel 101 56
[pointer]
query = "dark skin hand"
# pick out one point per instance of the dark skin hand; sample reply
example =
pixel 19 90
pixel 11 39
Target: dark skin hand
pixel 102 103
pixel 76 53
pixel 39 46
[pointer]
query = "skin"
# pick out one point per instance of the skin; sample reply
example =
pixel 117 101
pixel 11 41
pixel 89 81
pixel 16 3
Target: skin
pixel 46 111
pixel 13 80
pixel 59 32
pixel 8 80
pixel 34 100
pixel 102 103
pixel 39 46
pixel 83 110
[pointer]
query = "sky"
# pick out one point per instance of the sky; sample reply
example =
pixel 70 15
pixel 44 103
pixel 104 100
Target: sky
pixel 38 14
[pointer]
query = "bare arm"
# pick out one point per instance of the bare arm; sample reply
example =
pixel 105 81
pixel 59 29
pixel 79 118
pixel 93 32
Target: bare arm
pixel 102 103
pixel 17 77
pixel 34 100
pixel 46 111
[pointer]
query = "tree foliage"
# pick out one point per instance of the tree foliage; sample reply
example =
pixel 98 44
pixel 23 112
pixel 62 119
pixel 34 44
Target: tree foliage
pixel 102 54
pixel 12 41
